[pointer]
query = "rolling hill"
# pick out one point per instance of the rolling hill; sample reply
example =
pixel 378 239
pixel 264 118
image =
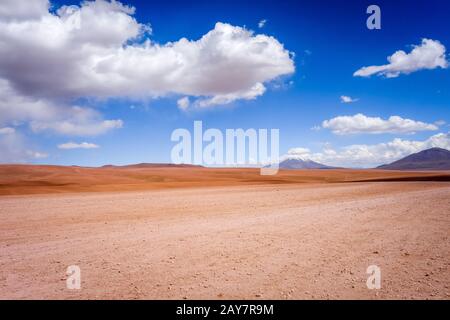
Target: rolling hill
pixel 430 159
pixel 302 164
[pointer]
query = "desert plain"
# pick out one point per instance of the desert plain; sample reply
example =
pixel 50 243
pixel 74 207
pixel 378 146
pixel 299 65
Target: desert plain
pixel 167 232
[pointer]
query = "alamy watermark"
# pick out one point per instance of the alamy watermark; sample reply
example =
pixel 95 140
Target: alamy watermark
pixel 374 279
pixel 73 281
pixel 235 148
pixel 374 20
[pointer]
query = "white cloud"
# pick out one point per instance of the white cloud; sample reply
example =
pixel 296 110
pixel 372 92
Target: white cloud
pixel 73 145
pixel 368 156
pixel 23 10
pixel 11 147
pixel 36 154
pixel 360 123
pixel 47 114
pixel 298 153
pixel 51 60
pixel 183 103
pixel 262 23
pixel 75 128
pixel 7 130
pixel 73 54
pixel 257 90
pixel 347 99
pixel 430 54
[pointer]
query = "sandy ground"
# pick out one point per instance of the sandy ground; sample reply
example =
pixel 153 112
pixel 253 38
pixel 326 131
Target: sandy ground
pixel 291 241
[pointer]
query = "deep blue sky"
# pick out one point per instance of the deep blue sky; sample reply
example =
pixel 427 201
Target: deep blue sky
pixel 330 40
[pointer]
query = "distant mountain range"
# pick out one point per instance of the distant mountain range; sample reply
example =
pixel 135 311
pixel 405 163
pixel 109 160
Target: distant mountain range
pixel 430 159
pixel 302 164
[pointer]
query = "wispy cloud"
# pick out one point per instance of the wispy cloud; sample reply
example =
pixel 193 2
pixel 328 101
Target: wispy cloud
pixel 36 154
pixel 82 145
pixel 14 147
pixel 348 99
pixel 430 54
pixel 7 130
pixel 262 23
pixel 361 123
pixel 183 103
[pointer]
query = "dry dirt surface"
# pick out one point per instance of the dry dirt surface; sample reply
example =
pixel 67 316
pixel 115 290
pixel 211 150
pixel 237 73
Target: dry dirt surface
pixel 271 241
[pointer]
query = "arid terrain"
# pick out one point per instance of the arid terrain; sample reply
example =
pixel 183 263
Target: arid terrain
pixel 196 233
pixel 31 179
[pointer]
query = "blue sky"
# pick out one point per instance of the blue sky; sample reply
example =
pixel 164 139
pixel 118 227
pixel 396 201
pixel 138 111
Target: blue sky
pixel 330 41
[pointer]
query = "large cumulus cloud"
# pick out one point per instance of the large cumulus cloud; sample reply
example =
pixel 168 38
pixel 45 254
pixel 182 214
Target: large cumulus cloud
pixel 94 51
pixel 52 58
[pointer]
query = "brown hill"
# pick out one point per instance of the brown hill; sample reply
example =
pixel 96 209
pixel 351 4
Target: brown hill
pixel 430 159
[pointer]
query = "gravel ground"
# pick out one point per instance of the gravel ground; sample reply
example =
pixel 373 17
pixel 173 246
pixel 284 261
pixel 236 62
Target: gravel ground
pixel 296 241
